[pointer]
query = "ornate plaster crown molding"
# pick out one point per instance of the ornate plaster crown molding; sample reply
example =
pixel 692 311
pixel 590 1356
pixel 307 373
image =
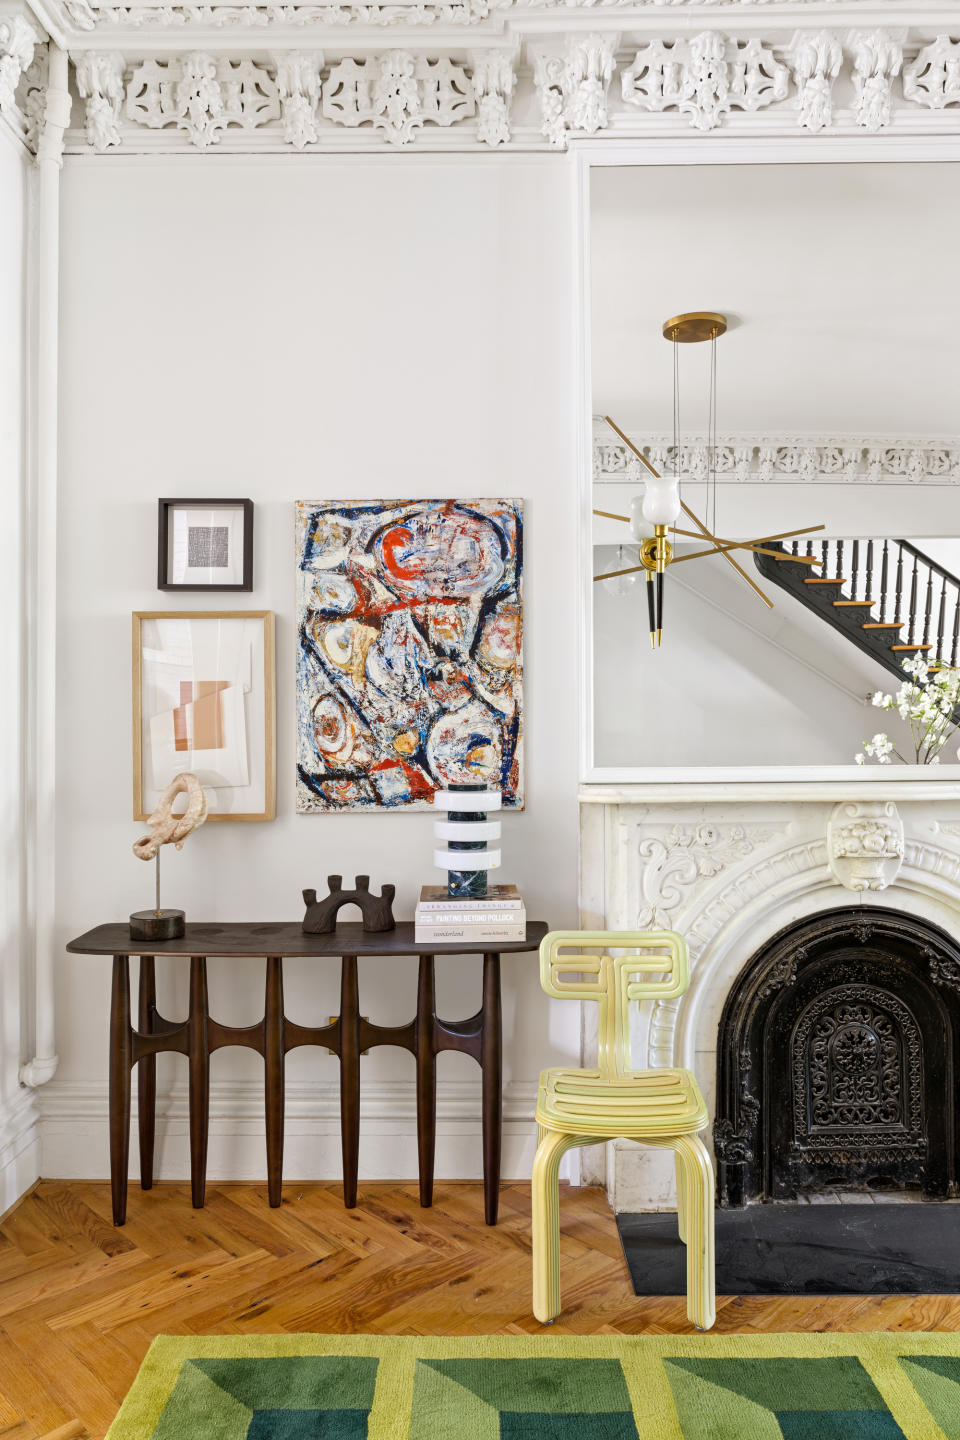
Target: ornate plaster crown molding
pixel 469 74
pixel 765 459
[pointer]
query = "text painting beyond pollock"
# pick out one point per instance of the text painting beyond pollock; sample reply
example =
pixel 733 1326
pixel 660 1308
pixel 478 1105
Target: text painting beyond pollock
pixel 409 651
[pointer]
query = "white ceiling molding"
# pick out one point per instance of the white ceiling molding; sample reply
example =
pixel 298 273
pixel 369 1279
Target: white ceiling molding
pixel 472 75
pixel 765 459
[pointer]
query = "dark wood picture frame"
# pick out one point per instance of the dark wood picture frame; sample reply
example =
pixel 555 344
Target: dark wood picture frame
pixel 163 537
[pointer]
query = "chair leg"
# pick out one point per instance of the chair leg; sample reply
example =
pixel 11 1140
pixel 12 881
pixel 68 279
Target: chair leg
pixel 545 1200
pixel 694 1160
pixel 681 1196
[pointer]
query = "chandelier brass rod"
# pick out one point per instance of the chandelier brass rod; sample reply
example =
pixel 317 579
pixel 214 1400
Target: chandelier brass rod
pixel 726 545
pixel 627 441
pixel 764 539
pixel 725 553
pixel 687 511
pixel 612 574
pixel 714 550
pixel 609 515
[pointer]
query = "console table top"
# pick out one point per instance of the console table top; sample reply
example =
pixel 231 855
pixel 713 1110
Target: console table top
pixel 286 939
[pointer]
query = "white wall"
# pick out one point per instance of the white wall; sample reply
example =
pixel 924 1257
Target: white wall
pixel 733 683
pixel 18 1148
pixel 283 329
pixel 838 281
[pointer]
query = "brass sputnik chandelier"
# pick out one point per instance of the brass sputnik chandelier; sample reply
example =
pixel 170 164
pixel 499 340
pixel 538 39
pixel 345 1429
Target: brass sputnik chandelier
pixel 662 503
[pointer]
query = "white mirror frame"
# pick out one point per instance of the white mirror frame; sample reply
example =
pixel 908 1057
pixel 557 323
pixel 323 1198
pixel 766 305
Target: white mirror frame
pixel 762 782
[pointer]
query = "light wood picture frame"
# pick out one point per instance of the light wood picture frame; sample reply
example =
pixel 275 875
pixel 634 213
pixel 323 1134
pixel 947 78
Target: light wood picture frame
pixel 204 700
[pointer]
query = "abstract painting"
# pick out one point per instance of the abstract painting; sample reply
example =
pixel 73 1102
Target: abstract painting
pixel 409 651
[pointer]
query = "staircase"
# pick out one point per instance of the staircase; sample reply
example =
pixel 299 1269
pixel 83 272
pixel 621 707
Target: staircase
pixel 886 596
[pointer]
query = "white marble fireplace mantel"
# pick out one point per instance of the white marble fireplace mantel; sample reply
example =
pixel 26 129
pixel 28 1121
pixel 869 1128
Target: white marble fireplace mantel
pixel 729 864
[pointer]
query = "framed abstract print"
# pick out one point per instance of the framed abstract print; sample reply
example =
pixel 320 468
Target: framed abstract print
pixel 204 701
pixel 409 651
pixel 205 545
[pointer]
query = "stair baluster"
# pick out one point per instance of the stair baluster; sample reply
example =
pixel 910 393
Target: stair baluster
pixel 892 623
pixel 928 607
pixel 899 597
pixel 883 582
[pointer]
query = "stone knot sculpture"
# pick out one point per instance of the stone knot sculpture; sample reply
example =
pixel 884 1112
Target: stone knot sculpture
pixel 377 910
pixel 167 828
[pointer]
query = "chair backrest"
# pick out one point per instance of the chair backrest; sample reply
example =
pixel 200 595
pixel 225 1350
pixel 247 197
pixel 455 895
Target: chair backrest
pixel 609 978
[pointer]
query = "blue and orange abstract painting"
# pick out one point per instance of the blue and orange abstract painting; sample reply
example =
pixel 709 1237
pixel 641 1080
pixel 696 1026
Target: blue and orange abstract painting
pixel 409 651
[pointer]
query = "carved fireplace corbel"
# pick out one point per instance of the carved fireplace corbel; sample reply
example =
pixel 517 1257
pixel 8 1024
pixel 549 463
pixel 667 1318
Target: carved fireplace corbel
pixel 865 844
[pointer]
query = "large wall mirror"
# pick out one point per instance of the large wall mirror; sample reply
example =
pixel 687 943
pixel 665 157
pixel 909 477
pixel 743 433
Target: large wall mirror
pixel 832 401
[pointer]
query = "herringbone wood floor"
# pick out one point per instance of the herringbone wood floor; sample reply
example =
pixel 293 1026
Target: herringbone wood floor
pixel 80 1301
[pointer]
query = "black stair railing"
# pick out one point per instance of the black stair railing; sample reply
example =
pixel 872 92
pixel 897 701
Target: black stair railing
pixel 891 599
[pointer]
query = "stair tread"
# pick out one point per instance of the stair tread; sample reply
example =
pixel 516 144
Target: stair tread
pixel 854 602
pixel 823 580
pixel 883 625
pixel 911 647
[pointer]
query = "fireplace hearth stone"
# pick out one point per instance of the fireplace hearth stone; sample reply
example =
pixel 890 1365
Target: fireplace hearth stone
pixel 801 1249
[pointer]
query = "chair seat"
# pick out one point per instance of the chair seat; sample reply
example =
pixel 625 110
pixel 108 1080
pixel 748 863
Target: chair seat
pixel 641 1104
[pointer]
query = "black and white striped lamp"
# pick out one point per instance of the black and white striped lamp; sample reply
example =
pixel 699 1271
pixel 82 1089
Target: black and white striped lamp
pixel 467 832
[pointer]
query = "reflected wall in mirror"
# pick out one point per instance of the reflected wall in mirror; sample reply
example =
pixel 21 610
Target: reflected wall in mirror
pixel 836 390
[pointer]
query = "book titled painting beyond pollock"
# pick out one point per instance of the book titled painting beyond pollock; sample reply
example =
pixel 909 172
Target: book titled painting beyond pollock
pixel 498 915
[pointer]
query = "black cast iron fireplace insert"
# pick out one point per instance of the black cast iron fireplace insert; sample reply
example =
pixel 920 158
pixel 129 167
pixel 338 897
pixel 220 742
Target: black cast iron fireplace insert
pixel 836 1061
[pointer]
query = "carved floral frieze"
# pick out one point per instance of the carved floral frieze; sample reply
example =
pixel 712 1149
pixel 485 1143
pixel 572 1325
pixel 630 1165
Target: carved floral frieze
pixel 933 78
pixel 18 40
pixel 573 86
pixel 201 95
pixel 100 84
pixel 704 77
pixel 564 82
pixel 772 459
pixel 398 93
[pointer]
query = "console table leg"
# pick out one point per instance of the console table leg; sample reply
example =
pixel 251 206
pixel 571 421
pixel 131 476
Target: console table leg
pixel 147 1072
pixel 273 1056
pixel 349 1077
pixel 199 1079
pixel 490 1065
pixel 426 1078
pixel 120 1055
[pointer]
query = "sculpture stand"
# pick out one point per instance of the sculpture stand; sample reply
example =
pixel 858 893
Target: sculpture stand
pixel 157 924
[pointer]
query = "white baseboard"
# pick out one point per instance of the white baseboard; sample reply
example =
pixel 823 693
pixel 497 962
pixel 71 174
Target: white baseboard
pixel 19 1147
pixel 75 1135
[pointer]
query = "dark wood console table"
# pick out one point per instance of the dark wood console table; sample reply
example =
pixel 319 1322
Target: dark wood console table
pixel 200 1035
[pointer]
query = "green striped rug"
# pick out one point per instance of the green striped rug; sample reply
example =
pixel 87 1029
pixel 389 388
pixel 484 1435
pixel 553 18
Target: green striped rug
pixel 371 1387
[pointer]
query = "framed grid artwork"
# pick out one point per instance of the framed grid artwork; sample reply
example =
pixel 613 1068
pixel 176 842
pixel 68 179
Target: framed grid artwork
pixel 205 545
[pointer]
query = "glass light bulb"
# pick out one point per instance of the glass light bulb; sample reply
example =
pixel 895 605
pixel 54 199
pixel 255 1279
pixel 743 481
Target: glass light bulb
pixel 623 584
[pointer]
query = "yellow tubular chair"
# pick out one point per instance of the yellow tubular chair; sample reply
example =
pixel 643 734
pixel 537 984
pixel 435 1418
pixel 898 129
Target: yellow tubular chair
pixel 585 1107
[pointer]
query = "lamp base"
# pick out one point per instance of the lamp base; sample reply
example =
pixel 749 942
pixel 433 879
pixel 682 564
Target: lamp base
pixel 157 925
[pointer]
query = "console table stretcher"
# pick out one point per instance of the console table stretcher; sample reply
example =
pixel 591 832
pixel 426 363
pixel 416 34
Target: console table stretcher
pixel 274 1036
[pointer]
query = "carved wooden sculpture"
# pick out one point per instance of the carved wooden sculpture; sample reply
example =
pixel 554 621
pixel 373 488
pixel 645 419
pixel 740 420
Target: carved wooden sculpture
pixel 321 915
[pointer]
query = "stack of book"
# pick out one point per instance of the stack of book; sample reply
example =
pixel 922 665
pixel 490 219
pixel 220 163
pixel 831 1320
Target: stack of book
pixel 498 915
